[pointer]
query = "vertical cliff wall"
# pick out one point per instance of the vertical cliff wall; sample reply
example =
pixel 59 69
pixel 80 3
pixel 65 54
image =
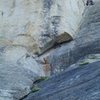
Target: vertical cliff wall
pixel 28 28
pixel 81 80
pixel 24 20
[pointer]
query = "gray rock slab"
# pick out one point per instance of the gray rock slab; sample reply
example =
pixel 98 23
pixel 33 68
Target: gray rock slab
pixel 15 81
pixel 79 84
pixel 86 42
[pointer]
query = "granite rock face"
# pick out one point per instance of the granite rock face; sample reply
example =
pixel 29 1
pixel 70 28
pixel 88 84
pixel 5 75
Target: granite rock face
pixel 28 28
pixel 16 79
pixel 78 63
pixel 82 83
pixel 35 23
pixel 60 32
pixel 86 42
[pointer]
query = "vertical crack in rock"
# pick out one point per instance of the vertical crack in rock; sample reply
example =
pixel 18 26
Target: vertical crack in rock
pixel 46 20
pixel 51 23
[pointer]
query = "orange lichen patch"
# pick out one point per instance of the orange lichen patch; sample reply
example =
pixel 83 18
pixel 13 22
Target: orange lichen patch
pixel 46 65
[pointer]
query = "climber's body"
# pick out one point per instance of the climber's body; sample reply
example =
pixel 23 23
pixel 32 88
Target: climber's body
pixel 89 2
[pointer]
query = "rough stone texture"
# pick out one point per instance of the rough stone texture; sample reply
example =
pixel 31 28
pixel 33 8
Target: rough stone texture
pixel 26 26
pixel 59 39
pixel 16 79
pixel 38 19
pixel 18 71
pixel 86 42
pixel 82 83
pixel 13 53
pixel 26 41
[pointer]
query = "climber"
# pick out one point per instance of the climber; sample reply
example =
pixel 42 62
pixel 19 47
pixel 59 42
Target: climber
pixel 89 2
